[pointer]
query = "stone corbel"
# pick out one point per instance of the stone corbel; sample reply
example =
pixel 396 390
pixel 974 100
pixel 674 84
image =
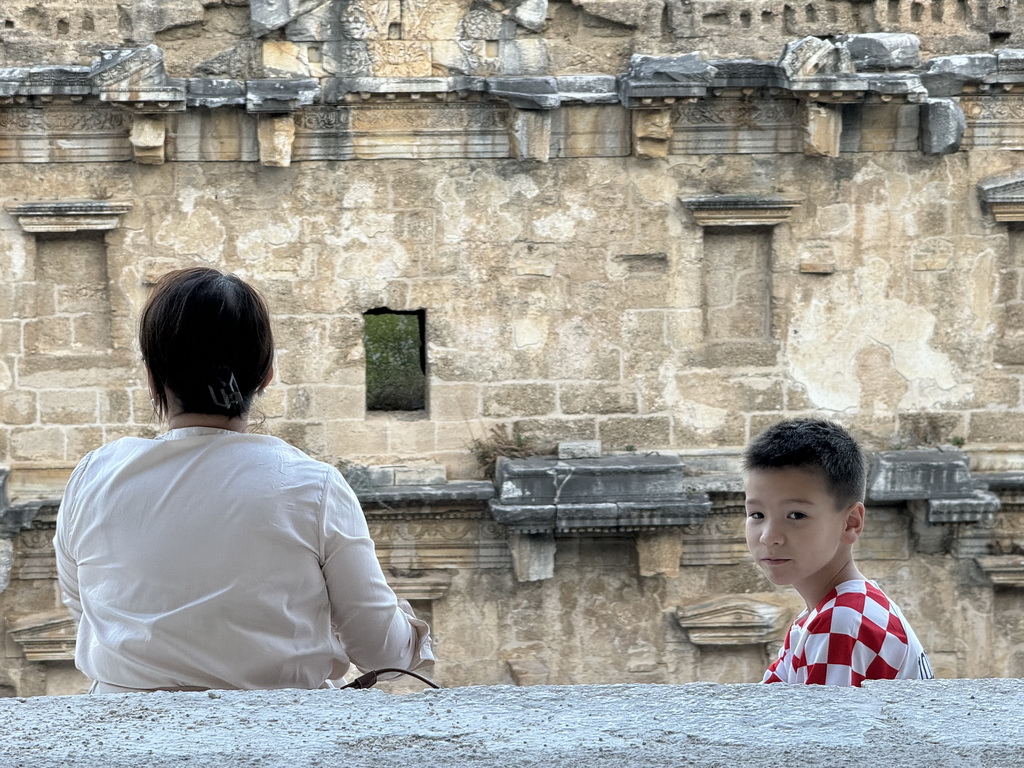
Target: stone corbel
pixel 276 134
pixel 147 137
pixel 823 128
pixel 652 132
pixel 74 216
pixel 1003 570
pixel 530 134
pixel 533 555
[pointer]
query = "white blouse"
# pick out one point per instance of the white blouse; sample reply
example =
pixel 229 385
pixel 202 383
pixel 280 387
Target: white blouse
pixel 216 559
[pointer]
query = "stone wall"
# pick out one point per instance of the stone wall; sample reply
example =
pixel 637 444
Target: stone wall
pixel 655 225
pixel 912 724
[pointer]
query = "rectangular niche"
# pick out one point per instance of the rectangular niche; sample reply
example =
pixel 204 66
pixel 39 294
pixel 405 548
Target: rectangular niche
pixel 737 284
pixel 396 360
pixel 73 310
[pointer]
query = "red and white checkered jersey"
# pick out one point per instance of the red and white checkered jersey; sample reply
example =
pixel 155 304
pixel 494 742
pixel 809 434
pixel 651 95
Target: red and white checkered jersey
pixel 855 633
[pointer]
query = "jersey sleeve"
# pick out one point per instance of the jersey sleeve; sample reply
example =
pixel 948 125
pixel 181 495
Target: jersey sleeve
pixel 853 640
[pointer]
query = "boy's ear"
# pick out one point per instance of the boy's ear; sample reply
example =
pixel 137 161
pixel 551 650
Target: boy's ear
pixel 854 524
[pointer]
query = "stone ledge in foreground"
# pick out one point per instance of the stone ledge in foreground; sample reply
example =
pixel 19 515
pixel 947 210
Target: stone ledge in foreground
pixel 908 724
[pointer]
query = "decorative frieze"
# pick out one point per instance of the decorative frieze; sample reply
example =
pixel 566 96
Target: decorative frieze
pixel 64 133
pixel 904 475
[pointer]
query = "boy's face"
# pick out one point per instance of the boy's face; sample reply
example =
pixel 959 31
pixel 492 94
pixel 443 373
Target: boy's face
pixel 795 531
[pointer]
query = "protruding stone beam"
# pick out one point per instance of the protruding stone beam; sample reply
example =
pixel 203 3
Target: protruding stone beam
pixel 905 475
pixel 215 92
pixel 740 210
pixel 947 75
pixel 276 134
pixel 135 78
pixel 654 81
pixel 279 95
pixel 530 126
pixel 823 129
pixel 882 51
pixel 70 216
pixel 147 137
pixel 1003 197
pixel 659 552
pixel 533 555
pixel 652 132
pixel 943 124
pixel 749 619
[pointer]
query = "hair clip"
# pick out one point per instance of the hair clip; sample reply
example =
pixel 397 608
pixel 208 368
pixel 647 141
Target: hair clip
pixel 230 396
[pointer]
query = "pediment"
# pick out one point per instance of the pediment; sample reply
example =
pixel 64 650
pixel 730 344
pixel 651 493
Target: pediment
pixel 45 636
pixel 1003 197
pixel 737 619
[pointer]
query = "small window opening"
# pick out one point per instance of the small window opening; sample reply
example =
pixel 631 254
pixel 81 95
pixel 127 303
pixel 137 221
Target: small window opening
pixel 394 31
pixel 396 360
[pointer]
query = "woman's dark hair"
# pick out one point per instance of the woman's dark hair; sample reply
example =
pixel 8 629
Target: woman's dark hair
pixel 815 445
pixel 206 337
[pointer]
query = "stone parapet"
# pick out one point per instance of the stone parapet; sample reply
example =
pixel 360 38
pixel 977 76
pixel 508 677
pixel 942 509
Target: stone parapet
pixel 936 724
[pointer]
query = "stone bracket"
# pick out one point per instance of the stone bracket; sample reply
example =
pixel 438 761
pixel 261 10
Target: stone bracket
pixel 147 136
pixel 652 132
pixel 71 216
pixel 823 128
pixel 533 555
pixel 276 135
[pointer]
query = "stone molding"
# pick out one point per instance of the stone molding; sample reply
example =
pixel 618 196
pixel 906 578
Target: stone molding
pixel 1003 197
pixel 740 210
pixel 1003 570
pixel 792 103
pixel 68 216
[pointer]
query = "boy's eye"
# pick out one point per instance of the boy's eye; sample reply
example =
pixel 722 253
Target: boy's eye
pixel 755 515
pixel 796 515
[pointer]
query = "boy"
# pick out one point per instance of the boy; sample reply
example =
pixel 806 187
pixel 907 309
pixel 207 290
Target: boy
pixel 804 482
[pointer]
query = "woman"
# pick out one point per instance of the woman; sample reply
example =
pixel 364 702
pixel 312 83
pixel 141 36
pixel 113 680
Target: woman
pixel 209 557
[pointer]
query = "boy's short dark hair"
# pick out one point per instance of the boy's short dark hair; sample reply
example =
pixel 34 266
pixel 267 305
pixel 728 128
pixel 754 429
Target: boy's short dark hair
pixel 814 445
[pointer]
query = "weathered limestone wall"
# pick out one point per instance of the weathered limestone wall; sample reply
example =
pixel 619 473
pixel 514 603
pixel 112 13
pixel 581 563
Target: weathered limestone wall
pixel 655 226
pixel 912 724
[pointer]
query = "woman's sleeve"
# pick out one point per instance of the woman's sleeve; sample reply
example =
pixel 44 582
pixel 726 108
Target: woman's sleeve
pixel 365 612
pixel 67 567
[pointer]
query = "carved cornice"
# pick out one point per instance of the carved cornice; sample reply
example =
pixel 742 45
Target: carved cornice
pixel 68 216
pixel 741 210
pixel 1003 570
pixel 1003 197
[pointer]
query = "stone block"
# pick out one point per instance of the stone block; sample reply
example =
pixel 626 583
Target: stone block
pixel 904 475
pixel 420 474
pixel 947 75
pixel 644 432
pixel 883 51
pixel 68 407
pixel 972 508
pixel 276 136
pixel 17 407
pixel 38 444
pixel 507 400
pixel 942 126
pixel 533 555
pixel 525 93
pixel 996 427
pixel 147 136
pixel 530 135
pixel 823 126
pixel 659 552
pixel 360 477
pixel 579 449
